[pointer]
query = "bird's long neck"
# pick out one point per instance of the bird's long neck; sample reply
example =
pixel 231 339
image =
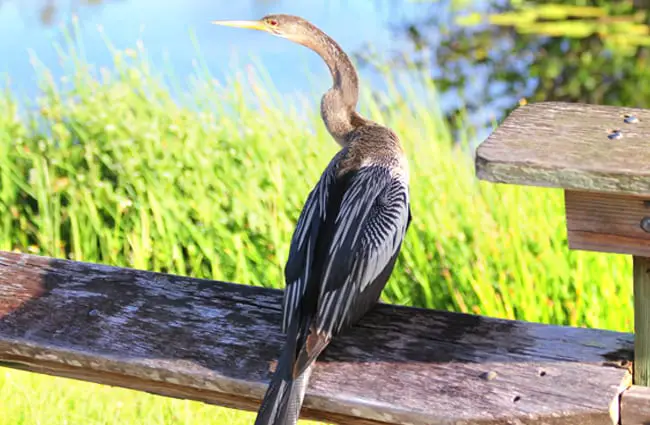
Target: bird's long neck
pixel 339 103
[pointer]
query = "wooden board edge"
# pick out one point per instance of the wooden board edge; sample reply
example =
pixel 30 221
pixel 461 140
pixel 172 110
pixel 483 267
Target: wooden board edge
pixel 168 389
pixel 635 406
pixel 525 174
pixel 250 404
pixel 588 241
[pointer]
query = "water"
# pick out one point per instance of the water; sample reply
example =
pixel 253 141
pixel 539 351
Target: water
pixel 167 33
pixel 483 70
pixel 176 34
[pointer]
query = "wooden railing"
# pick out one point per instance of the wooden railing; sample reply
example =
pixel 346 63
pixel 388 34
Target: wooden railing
pixel 600 156
pixel 217 342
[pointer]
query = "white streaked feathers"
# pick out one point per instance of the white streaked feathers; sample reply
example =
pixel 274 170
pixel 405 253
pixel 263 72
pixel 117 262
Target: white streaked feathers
pixel 368 231
pixel 370 228
pixel 303 241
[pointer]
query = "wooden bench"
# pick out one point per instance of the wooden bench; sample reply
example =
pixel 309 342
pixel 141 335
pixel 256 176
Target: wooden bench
pixel 600 156
pixel 216 342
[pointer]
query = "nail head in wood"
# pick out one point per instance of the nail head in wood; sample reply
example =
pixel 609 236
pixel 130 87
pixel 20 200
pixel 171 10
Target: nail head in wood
pixel 489 376
pixel 615 135
pixel 645 224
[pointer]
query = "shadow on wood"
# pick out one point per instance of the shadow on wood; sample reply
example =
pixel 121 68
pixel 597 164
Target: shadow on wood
pixel 215 342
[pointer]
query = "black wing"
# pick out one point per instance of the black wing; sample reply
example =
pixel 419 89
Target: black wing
pixel 299 266
pixel 365 240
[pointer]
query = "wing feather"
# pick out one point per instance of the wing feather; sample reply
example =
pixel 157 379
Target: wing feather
pixel 345 245
pixel 369 228
pixel 299 266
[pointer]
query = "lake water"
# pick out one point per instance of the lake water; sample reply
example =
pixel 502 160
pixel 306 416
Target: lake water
pixel 168 32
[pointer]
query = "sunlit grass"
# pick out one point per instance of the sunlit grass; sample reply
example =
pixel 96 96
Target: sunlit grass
pixel 111 169
pixel 31 399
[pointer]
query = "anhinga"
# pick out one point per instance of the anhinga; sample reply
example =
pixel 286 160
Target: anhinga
pixel 349 232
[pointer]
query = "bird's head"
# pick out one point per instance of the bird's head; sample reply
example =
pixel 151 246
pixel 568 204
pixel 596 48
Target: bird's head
pixel 290 27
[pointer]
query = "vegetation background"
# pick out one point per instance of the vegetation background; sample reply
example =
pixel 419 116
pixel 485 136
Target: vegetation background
pixel 109 167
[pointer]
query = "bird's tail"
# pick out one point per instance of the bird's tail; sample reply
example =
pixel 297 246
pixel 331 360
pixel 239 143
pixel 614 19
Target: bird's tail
pixel 283 399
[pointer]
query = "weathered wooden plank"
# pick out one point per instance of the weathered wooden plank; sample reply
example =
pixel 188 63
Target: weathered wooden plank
pixel 566 145
pixel 214 342
pixel 635 406
pixel 607 222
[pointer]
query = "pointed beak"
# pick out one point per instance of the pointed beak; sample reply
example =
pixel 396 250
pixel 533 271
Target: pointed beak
pixel 253 25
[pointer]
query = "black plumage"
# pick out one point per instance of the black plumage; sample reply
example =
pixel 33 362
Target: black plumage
pixel 349 233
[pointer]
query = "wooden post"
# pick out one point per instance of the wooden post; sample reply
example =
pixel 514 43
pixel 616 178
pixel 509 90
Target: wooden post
pixel 635 406
pixel 642 321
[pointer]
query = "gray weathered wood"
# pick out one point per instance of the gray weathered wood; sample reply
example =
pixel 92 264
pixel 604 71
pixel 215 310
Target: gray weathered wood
pixel 566 145
pixel 215 342
pixel 635 406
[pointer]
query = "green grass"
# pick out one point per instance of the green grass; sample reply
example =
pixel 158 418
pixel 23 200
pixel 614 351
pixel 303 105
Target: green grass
pixel 31 399
pixel 109 168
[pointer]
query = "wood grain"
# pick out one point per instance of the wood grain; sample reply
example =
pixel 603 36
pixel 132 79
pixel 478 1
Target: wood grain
pixel 607 222
pixel 642 321
pixel 214 342
pixel 635 406
pixel 566 145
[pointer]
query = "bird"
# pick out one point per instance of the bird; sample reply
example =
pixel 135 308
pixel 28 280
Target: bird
pixel 349 233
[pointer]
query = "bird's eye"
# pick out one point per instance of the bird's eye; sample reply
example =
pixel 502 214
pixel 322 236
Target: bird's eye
pixel 272 22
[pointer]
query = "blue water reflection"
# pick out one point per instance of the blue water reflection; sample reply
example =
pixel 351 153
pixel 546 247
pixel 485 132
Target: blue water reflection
pixel 166 31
